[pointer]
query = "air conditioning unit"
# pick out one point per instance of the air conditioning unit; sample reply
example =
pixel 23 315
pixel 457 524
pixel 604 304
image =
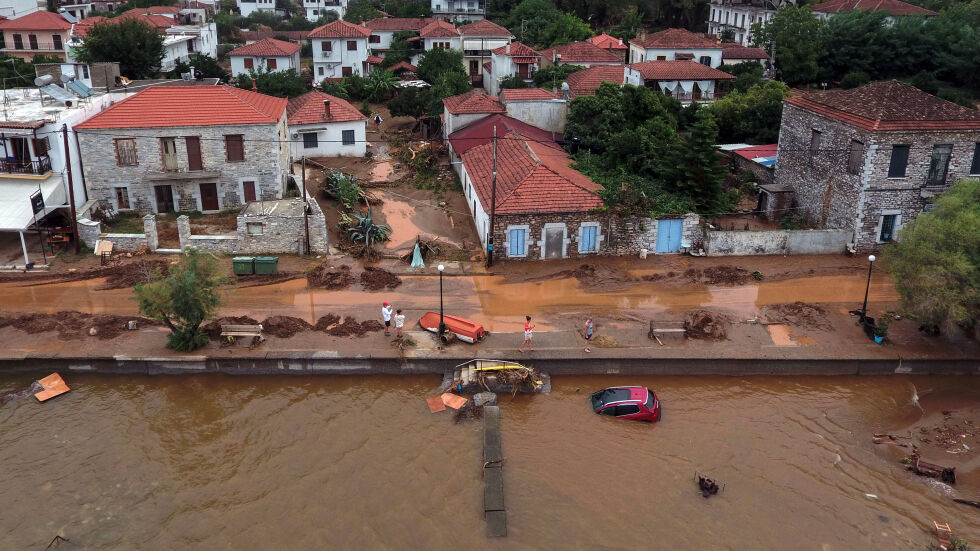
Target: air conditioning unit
pixel 295 134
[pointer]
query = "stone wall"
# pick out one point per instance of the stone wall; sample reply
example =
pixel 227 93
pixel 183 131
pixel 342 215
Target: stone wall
pixel 692 236
pixel 741 243
pixel 266 163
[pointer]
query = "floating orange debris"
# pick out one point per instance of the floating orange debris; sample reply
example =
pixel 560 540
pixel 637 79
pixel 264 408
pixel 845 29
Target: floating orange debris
pixel 453 401
pixel 435 404
pixel 53 385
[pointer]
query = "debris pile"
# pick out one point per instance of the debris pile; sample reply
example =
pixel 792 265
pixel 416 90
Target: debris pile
pixel 284 327
pixel 798 314
pixel 375 279
pixel 705 325
pixel 72 325
pixel 323 276
pixel 718 275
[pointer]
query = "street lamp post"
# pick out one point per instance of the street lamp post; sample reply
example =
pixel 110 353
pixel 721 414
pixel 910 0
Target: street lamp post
pixel 864 308
pixel 442 323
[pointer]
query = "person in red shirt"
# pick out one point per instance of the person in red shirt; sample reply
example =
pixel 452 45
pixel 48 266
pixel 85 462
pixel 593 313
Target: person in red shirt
pixel 528 330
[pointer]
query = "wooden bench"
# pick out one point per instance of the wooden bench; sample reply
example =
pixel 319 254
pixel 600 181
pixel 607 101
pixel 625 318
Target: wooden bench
pixel 658 328
pixel 235 331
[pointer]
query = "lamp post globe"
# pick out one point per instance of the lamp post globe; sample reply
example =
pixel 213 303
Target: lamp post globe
pixel 867 287
pixel 442 323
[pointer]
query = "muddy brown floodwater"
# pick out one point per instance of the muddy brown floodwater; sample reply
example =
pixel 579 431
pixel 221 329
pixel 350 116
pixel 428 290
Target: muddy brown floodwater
pixel 213 462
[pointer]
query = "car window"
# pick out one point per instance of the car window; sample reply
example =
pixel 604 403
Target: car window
pixel 610 395
pixel 627 409
pixel 650 400
pixel 611 410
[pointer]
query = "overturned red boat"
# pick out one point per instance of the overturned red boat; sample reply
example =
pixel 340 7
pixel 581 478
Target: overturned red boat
pixel 464 329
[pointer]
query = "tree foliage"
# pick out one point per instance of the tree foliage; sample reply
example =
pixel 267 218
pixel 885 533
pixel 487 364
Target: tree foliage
pixel 15 72
pixel 283 84
pixel 183 299
pixel 451 83
pixel 416 103
pixel 433 63
pixel 513 81
pixel 751 117
pixel 794 35
pixel 401 49
pixel 382 85
pixel 202 63
pixel 134 43
pixel 538 23
pixel 936 263
pixel 553 75
pixel 361 10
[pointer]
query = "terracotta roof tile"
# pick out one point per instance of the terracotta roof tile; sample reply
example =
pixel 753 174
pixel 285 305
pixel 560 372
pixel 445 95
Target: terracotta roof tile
pixel 585 82
pixel 254 36
pixel 161 22
pixel 309 109
pixel 481 132
pixel 439 29
pixel 517 50
pixel 581 52
pixel 678 70
pixel 41 20
pixel 268 47
pixel 340 29
pixel 737 51
pixel 527 94
pixel 483 27
pixel 168 106
pixel 893 7
pixel 476 101
pixel 374 60
pixel 675 38
pixel 398 23
pixel 83 25
pixel 403 66
pixel 488 67
pixel 888 105
pixel 607 42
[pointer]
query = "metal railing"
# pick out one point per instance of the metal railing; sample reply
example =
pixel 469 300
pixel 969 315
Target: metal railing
pixel 11 166
pixel 26 45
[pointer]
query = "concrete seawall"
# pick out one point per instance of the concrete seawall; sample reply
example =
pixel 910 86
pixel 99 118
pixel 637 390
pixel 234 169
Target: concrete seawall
pixel 332 364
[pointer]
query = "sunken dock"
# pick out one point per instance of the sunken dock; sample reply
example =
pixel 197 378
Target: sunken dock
pixel 493 476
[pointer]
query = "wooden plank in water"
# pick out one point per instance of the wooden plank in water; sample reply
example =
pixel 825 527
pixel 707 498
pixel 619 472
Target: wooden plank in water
pixel 496 524
pixel 493 474
pixel 491 435
pixel 493 488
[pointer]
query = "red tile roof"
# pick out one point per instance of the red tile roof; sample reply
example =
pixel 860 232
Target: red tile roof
pixel 481 132
pixel 581 52
pixel 439 29
pixel 754 151
pixel 476 101
pixel 266 32
pixel 532 177
pixel 484 28
pixel 516 49
pixel 340 29
pixel 41 20
pixel 889 105
pixel 161 22
pixel 607 42
pixel 268 47
pixel 585 82
pixel 398 23
pixel 675 38
pixel 678 70
pixel 527 94
pixel 737 51
pixel 488 67
pixel 168 106
pixel 893 7
pixel 308 109
pixel 162 9
pixel 374 60
pixel 403 66
pixel 83 25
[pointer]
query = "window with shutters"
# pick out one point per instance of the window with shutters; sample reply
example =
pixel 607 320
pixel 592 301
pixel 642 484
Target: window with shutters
pixel 32 39
pixel 126 152
pixel 855 154
pixel 814 144
pixel 234 148
pixel 939 165
pixel 899 161
pixel 249 63
pixel 975 167
pixel 374 39
pixel 705 60
pixel 309 140
pixel 270 63
pixel 41 146
pixel 517 241
pixel 56 39
pixel 347 137
pixel 194 159
pixel 351 45
pixel 588 241
pixel 326 46
pixel 18 42
pixel 122 198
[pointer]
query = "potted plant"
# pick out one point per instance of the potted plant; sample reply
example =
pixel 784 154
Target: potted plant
pixel 881 331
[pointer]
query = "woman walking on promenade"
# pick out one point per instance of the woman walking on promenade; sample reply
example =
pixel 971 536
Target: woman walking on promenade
pixel 588 334
pixel 528 330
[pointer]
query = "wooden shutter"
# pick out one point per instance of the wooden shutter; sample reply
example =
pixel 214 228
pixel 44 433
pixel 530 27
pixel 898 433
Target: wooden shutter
pixel 194 160
pixel 234 147
pixel 41 146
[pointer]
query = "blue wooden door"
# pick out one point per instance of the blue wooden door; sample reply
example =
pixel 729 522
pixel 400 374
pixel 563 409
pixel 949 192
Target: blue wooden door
pixel 669 235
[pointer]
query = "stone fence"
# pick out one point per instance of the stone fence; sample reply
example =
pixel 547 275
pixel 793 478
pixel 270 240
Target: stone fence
pixel 740 243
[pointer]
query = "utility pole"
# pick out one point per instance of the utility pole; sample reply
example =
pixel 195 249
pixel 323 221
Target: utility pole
pixel 306 209
pixel 71 193
pixel 493 200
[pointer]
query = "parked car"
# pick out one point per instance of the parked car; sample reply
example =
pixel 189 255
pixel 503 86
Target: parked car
pixel 627 402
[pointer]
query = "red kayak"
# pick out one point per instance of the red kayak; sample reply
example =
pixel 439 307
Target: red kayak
pixel 464 329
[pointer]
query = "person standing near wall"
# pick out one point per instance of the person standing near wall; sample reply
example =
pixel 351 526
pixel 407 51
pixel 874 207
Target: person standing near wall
pixel 528 333
pixel 386 316
pixel 588 333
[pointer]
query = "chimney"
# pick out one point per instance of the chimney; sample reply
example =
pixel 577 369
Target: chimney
pixel 508 48
pixel 254 87
pixel 620 41
pixel 326 109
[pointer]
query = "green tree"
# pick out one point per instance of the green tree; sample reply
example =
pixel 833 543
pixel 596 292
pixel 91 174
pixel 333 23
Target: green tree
pixel 382 85
pixel 183 299
pixel 563 28
pixel 540 24
pixel 401 49
pixel 629 24
pixel 936 262
pixel 15 72
pixel 258 19
pixel 592 120
pixel 336 89
pixel 851 42
pixel 694 168
pixel 794 35
pixel 208 66
pixel 433 63
pixel 753 117
pixel 746 75
pixel 450 84
pixel 360 10
pixel 283 84
pixel 854 79
pixel 512 81
pixel 134 43
pixel 417 103
pixel 553 75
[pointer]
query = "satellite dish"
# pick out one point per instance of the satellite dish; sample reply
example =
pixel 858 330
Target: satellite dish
pixel 43 80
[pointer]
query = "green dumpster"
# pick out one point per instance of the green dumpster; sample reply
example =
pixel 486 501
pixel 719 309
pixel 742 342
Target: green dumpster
pixel 266 265
pixel 244 265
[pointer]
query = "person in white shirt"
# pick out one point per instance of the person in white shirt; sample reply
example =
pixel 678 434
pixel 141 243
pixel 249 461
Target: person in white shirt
pixel 399 323
pixel 386 316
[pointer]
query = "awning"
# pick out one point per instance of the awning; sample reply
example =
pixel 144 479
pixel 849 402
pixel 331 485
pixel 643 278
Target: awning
pixel 15 200
pixel 477 44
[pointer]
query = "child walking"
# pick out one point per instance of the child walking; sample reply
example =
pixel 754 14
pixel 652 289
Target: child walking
pixel 399 323
pixel 528 333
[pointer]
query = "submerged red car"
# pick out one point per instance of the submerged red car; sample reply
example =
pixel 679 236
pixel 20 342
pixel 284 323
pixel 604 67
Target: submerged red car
pixel 627 402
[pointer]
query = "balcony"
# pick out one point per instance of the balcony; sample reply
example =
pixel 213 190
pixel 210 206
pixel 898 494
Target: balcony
pixel 13 167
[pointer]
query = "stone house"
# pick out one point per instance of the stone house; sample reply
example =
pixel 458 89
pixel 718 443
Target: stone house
pixel 870 159
pixel 321 125
pixel 272 54
pixel 39 32
pixel 177 148
pixel 339 49
pixel 894 8
pixel 514 59
pixel 583 53
pixel 688 81
pixel 479 39
pixel 675 45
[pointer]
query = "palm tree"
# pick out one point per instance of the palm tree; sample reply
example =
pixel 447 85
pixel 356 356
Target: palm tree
pixel 382 84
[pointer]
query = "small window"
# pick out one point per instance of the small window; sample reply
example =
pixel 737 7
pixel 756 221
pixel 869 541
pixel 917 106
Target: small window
pixel 319 70
pixel 326 46
pixel 627 409
pixel 975 167
pixel 374 39
pixel 351 45
pixel 18 42
pixel 899 161
pixel 122 198
pixel 888 227
pixel 309 140
pixel 855 156
pixel 85 74
pixel 814 144
pixel 254 228
pixel 57 41
pixel 126 152
pixel 234 148
pixel 249 63
pixel 270 64
pixel 939 165
pixel 32 39
pixel 348 137
pixel 517 239
pixel 608 410
pixel 661 58
pixel 346 71
pixel 705 60
pixel 588 242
